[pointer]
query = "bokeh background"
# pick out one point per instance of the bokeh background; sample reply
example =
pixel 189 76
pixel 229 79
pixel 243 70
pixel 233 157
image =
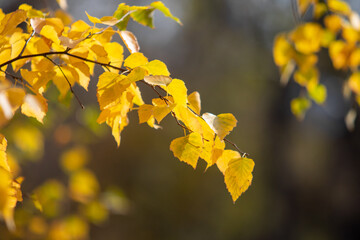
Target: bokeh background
pixel 306 178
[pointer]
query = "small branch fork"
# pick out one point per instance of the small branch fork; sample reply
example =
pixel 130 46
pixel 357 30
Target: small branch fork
pixel 106 65
pixel 71 89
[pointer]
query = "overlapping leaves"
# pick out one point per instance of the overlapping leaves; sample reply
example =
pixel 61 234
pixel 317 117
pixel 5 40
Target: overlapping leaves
pixel 335 27
pixel 52 52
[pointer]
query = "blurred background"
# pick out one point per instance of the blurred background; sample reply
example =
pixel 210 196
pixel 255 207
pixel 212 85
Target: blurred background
pixel 306 177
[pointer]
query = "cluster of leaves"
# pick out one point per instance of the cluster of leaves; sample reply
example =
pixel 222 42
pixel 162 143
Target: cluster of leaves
pixel 53 50
pixel 334 27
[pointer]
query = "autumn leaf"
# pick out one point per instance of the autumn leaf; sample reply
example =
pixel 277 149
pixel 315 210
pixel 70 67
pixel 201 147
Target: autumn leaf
pixel 34 106
pixel 238 176
pixel 130 41
pixel 222 124
pixel 158 80
pixel 187 149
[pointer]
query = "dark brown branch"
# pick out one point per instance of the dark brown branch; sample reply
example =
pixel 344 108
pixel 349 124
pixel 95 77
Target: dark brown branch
pixel 243 154
pixel 71 89
pixel 61 53
pixel 22 80
pixel 108 65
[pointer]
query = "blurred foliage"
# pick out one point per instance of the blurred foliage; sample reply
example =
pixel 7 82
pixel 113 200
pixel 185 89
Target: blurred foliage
pixel 334 26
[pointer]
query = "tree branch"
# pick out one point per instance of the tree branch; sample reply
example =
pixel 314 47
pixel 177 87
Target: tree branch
pixel 71 89
pixel 123 70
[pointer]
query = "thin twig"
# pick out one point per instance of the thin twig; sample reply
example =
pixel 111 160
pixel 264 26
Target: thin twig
pixel 103 30
pixel 295 12
pixel 26 43
pixel 71 89
pixel 22 80
pixel 106 65
pixel 243 154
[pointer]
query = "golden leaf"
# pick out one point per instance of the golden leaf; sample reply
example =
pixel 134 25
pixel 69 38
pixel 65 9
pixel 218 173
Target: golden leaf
pixel 135 60
pixel 238 176
pixel 188 148
pixel 34 106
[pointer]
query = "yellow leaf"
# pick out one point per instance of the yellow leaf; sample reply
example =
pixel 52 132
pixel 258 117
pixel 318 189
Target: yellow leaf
pixel 333 22
pixel 135 60
pixel 195 102
pixel 74 159
pixel 83 186
pixel 339 52
pixel 188 148
pixel 238 176
pixel 161 111
pixel 351 35
pixel 50 33
pixel 307 38
pixel 79 51
pixel 158 80
pixel 162 8
pixel 190 120
pixel 11 21
pixel 94 20
pixel 115 53
pixel 137 74
pixel 110 89
pixel 354 82
pixel 34 106
pixel 60 81
pixel 303 5
pixel 225 158
pixel 50 195
pixel 178 90
pixel 78 29
pixel 145 112
pixel 339 7
pixel 30 12
pixel 222 124
pixel 283 51
pixel 299 106
pixel 157 67
pixel 96 212
pixel 109 20
pixel 84 74
pixel 306 76
pixel 317 92
pixel 130 41
pixel 354 60
pixel 64 16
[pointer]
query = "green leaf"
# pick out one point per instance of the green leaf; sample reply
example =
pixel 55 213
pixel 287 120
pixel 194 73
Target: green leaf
pixel 162 8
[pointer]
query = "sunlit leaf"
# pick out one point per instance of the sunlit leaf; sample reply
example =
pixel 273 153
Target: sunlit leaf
pixel 299 106
pixel 34 106
pixel 238 176
pixel 178 90
pixel 157 67
pixel 158 80
pixel 188 148
pixel 74 159
pixel 83 186
pixel 195 102
pixel 317 92
pixel 162 8
pixel 130 41
pixel 135 60
pixel 222 124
